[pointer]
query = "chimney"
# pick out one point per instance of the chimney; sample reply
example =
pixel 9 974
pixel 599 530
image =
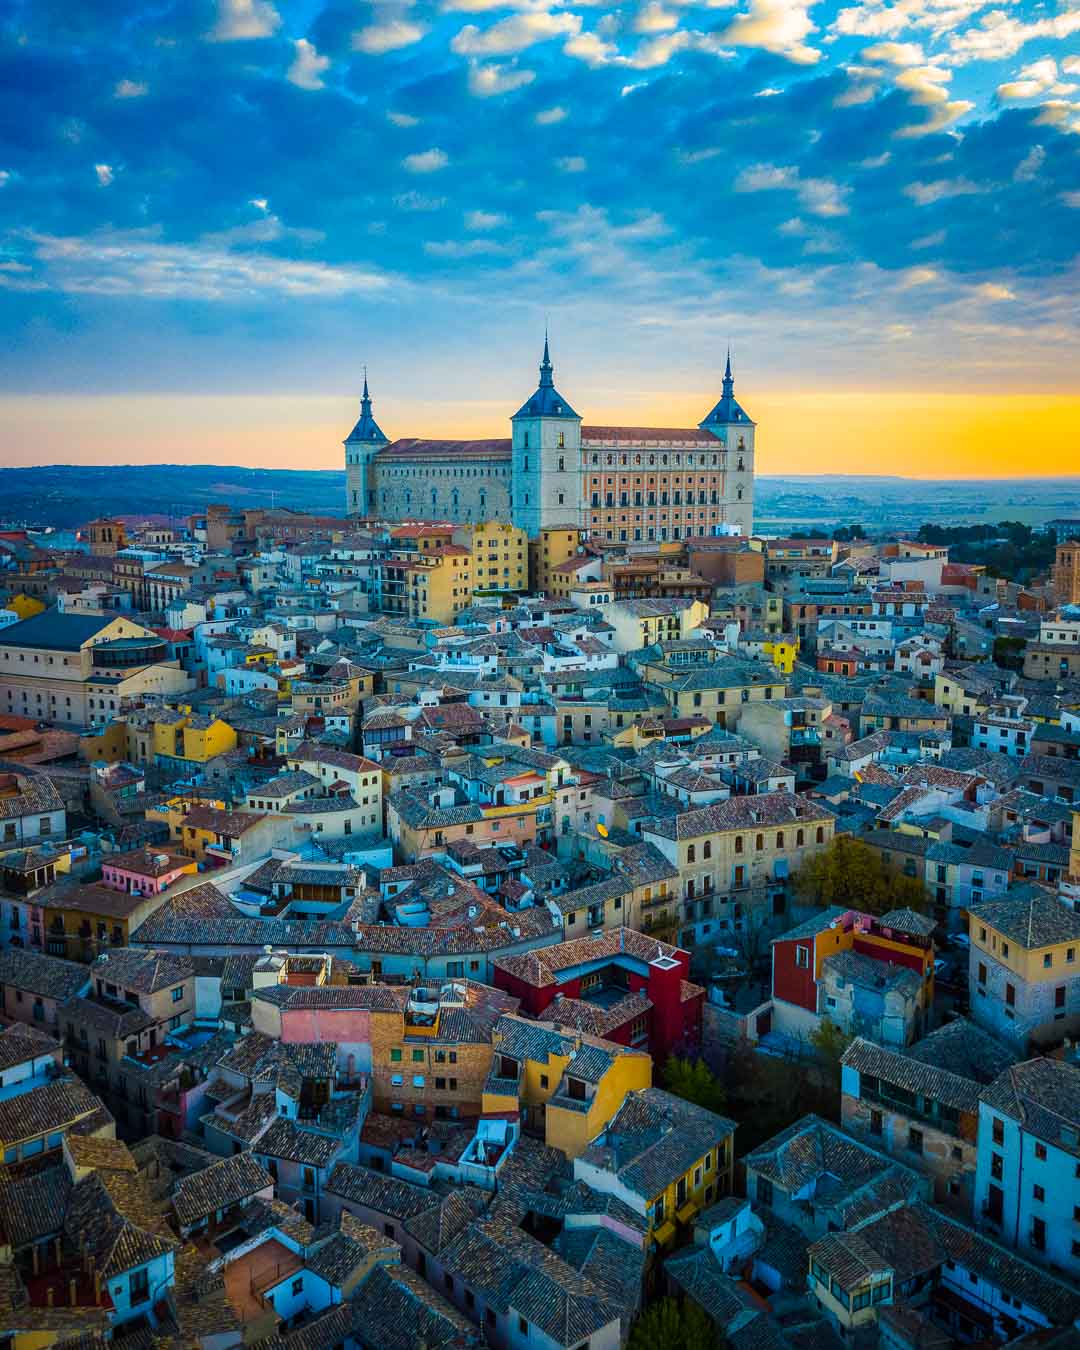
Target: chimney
pixel 50 1295
pixel 73 1288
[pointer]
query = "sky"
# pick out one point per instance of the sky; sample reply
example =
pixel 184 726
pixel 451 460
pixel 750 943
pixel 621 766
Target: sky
pixel 215 214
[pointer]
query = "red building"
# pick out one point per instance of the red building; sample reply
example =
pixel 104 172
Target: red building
pixel 620 984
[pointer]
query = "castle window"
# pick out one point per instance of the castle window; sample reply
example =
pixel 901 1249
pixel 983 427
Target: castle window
pixel 562 462
pixel 526 465
pixel 526 441
pixel 562 440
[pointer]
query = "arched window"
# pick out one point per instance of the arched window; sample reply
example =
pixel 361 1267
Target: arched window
pixel 800 838
pixel 706 849
pixel 759 842
pixel 738 843
pixel 780 839
pixel 821 834
pixel 689 853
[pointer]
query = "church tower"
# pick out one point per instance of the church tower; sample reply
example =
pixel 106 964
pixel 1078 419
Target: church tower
pixel 732 427
pixel 362 445
pixel 546 459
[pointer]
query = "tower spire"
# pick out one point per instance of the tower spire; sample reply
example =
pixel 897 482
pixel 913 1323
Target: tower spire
pixel 547 379
pixel 729 379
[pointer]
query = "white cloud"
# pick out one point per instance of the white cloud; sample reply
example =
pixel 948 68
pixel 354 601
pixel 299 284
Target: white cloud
pixel 654 18
pixel 418 201
pixel 400 119
pixel 1071 65
pixel 514 33
pixel 896 53
pixel 388 36
pixel 130 89
pixel 239 20
pixel 993 290
pixel 130 265
pixel 818 196
pixel 926 194
pixel 1071 199
pixel 591 49
pixel 486 81
pixel 934 240
pixel 997 36
pixel 775 26
pixel 1034 80
pixel 926 86
pixel 571 164
pixel 462 248
pixel 5 178
pixel 768 92
pixel 426 161
pixel 104 174
pixel 259 203
pixel 547 117
pixel 1028 168
pixel 918 276
pixel 484 220
pixel 307 68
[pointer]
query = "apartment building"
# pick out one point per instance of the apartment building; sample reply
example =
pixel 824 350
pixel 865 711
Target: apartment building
pixel 31 809
pixel 1023 972
pixel 1027 1183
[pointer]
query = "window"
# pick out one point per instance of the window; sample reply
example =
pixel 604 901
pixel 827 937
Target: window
pixel 418 1056
pixel 1038 1234
pixel 1040 1152
pixel 915 1140
pixel 298 1285
pixel 1038 1193
pixel 139 1286
pixel 178 993
pixel 802 956
pixel 763 1191
pixel 395 1056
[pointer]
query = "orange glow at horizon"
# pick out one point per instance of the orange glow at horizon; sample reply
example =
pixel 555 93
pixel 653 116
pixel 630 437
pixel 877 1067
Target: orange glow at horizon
pixel 918 435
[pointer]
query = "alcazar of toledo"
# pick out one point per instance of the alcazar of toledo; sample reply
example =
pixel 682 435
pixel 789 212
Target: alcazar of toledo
pixel 620 484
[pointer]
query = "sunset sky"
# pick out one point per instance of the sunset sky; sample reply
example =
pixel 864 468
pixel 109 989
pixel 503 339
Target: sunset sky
pixel 214 213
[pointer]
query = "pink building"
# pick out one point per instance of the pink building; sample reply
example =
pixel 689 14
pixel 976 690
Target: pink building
pixel 145 871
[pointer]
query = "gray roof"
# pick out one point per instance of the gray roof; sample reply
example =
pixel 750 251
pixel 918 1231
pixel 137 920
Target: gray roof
pixel 1043 1095
pixel 53 631
pixel 1031 919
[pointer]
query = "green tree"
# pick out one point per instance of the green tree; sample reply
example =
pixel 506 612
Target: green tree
pixel 850 873
pixel 673 1325
pixel 830 1042
pixel 694 1081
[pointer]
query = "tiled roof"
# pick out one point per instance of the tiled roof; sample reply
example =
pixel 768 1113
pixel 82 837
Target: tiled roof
pixel 142 972
pixel 57 1106
pixel 394 1309
pixel 541 966
pixel 765 809
pixel 1043 1095
pixel 928 1080
pixel 112 1216
pixel 1031 920
pixel 32 1207
pixel 654 1138
pixel 20 1043
pixel 285 1139
pixel 375 1190
pixel 218 1186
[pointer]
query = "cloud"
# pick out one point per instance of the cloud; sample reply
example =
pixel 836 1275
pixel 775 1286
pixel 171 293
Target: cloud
pixel 418 201
pixel 571 164
pixel 129 265
pixel 775 26
pixel 654 18
pixel 991 290
pixel 591 49
pixel 895 53
pixel 1071 199
pixel 307 67
pixel 400 119
pixel 547 117
pixel 130 89
pixel 104 174
pixel 926 87
pixel 515 33
pixel 998 36
pixel 240 20
pixel 819 196
pixel 487 81
pixel 940 189
pixel 1034 80
pixel 1028 168
pixel 426 161
pixel 484 220
pixel 388 36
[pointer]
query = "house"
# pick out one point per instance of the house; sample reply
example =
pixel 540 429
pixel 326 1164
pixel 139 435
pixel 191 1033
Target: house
pixel 921 1105
pixel 41 1102
pixel 819 1179
pixel 665 1158
pixel 211 1199
pixel 561 1082
pixel 863 972
pixel 1022 971
pixel 639 984
pixel 33 986
pixel 1027 1184
pixel 31 809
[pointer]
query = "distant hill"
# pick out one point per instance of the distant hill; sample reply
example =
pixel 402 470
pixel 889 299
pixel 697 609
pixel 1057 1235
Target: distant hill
pixel 68 495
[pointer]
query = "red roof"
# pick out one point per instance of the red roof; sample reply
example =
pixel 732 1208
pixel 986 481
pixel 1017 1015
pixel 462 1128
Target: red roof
pixel 658 434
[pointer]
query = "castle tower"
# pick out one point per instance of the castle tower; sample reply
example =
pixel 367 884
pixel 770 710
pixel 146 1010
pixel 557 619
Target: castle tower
pixel 731 425
pixel 546 459
pixel 361 446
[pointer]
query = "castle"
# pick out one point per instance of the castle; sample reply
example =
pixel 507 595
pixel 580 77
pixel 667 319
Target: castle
pixel 619 484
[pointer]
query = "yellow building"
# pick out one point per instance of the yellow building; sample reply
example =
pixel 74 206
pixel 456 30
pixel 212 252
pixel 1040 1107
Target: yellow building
pixel 174 811
pixel 782 650
pixel 1023 967
pixel 25 606
pixel 666 1158
pixel 552 547
pixel 565 1084
pixel 500 557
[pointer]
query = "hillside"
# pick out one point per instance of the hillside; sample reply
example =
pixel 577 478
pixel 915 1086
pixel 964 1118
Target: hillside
pixel 67 495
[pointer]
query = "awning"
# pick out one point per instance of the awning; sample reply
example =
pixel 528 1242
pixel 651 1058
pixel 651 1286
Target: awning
pixel 665 1232
pixel 686 1212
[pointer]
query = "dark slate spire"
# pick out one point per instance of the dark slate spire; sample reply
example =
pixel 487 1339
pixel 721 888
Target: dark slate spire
pixel 367 429
pixel 727 411
pixel 547 401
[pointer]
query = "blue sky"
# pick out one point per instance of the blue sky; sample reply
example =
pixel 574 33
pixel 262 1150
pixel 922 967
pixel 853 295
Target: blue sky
pixel 249 197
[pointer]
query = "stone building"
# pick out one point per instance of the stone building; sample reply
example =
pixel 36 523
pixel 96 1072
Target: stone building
pixel 621 484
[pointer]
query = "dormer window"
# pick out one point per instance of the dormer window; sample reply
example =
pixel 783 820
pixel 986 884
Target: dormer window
pixel 526 441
